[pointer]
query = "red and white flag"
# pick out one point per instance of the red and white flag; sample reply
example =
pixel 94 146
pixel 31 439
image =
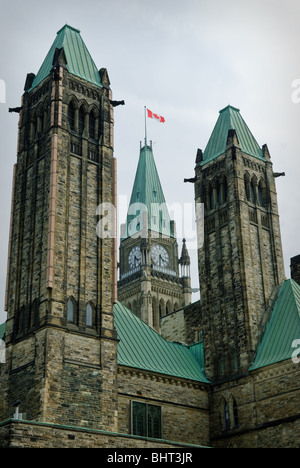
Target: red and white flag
pixel 156 117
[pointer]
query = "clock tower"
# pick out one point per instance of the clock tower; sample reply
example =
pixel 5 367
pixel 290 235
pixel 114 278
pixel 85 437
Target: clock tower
pixel 150 283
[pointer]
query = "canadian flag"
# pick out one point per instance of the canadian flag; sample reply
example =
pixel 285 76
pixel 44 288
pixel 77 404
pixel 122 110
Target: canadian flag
pixel 157 117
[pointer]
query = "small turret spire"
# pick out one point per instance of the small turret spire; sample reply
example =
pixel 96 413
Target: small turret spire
pixel 184 260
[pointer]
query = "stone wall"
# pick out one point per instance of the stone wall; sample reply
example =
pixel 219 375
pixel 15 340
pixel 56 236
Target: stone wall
pixel 24 434
pixel 184 404
pixel 267 401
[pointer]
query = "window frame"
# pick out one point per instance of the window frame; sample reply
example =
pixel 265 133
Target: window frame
pixel 146 421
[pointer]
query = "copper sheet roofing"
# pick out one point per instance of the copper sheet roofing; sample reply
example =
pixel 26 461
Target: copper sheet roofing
pixel 282 329
pixel 143 348
pixel 147 197
pixel 230 118
pixel 79 60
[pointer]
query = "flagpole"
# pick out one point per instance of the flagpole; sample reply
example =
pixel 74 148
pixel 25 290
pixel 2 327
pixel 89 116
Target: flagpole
pixel 145 127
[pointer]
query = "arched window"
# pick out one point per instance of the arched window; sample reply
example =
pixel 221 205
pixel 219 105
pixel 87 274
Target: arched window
pixel 219 193
pixel 211 198
pixel 226 416
pixel 235 414
pixel 71 116
pixel 81 118
pixel 223 189
pixel 92 125
pixel 70 311
pixel 162 308
pixel 89 316
pixel 252 192
pixel 262 193
pixel 247 186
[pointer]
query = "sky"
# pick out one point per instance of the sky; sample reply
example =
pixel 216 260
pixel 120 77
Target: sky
pixel 183 60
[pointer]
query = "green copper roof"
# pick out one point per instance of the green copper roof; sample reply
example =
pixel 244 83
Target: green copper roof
pixel 147 195
pixel 230 118
pixel 79 60
pixel 142 347
pixel 282 329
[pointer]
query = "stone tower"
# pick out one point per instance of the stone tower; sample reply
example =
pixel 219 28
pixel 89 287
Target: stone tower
pixel 150 283
pixel 60 336
pixel 241 262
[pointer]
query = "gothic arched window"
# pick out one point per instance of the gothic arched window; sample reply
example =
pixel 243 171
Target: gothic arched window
pixel 89 315
pixel 235 414
pixel 226 416
pixel 71 310
pixel 252 192
pixel 262 193
pixel 92 125
pixel 71 116
pixel 81 119
pixel 247 186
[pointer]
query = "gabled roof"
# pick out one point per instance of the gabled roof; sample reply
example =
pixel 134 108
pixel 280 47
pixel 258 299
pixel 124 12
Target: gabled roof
pixel 141 347
pixel 230 118
pixel 147 192
pixel 79 60
pixel 282 329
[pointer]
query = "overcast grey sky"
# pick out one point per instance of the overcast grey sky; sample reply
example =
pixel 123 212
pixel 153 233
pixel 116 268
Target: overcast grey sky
pixel 183 60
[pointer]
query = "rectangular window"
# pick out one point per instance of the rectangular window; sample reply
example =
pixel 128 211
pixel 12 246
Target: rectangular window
pixel 146 420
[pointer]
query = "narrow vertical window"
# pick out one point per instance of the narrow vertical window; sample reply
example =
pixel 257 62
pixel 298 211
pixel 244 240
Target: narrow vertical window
pixel 139 419
pixel 235 414
pixel 81 118
pixel 89 316
pixel 92 126
pixel 226 416
pixel 71 116
pixel 260 196
pixel 146 420
pixel 252 192
pixel 211 199
pixel 70 311
pixel 154 421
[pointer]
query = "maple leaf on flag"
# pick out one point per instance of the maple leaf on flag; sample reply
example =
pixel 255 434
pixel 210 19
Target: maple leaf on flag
pixel 156 117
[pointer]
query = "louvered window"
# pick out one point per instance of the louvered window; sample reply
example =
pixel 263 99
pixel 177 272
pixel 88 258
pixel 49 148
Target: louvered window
pixel 81 118
pixel 71 116
pixel 92 126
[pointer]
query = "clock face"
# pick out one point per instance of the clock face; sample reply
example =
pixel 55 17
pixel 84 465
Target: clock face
pixel 134 257
pixel 160 255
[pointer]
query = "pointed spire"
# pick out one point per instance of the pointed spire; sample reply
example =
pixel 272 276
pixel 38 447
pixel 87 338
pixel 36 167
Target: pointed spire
pixel 69 50
pixel 147 197
pixel 230 119
pixel 184 260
